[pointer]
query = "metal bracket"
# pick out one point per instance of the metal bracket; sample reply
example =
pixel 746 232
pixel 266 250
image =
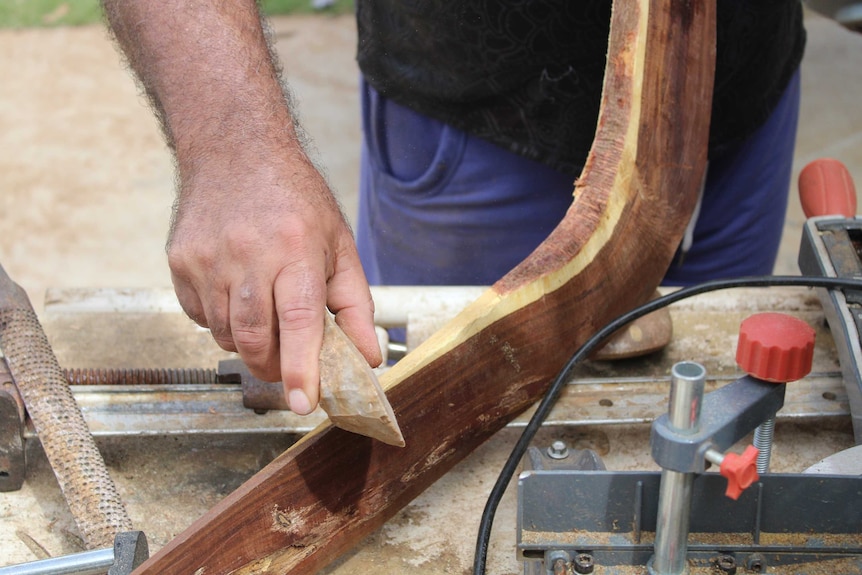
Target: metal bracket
pixel 793 523
pixel 256 394
pixel 727 415
pixel 830 249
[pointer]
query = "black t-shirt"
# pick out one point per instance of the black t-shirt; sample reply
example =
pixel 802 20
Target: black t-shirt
pixel 527 74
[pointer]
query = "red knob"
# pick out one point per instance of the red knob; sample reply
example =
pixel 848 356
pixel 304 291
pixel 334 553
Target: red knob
pixel 826 189
pixel 740 471
pixel 775 347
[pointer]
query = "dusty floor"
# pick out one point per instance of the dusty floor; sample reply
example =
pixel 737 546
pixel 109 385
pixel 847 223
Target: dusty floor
pixel 86 188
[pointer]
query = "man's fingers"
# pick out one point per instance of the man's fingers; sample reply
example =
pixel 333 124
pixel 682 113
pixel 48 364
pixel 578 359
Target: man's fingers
pixel 217 312
pixel 300 297
pixel 252 328
pixel 358 324
pixel 264 295
pixel 188 298
pixel 210 310
pixel 211 313
pixel 349 298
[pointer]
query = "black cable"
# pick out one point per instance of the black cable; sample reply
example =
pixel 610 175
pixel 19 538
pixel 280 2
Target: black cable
pixel 547 402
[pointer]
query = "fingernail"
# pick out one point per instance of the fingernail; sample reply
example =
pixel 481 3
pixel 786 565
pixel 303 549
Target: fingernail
pixel 298 402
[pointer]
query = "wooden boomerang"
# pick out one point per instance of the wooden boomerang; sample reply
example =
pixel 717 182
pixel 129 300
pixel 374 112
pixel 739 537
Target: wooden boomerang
pixel 630 208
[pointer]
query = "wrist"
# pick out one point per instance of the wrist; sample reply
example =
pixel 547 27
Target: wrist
pixel 228 146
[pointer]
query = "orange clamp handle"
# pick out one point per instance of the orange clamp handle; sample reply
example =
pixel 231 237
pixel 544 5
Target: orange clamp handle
pixel 740 471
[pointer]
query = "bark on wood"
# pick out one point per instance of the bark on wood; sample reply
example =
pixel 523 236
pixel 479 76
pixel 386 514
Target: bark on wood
pixel 631 205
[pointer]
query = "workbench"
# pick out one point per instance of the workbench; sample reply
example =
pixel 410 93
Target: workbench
pixel 171 466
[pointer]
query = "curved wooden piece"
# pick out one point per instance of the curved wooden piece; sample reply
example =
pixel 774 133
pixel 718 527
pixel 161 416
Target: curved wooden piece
pixel 631 205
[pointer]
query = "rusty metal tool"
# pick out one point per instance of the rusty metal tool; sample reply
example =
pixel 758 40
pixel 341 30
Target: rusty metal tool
pixel 350 393
pixel 77 463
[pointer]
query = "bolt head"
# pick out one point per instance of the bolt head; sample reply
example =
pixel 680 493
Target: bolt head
pixel 558 450
pixel 756 563
pixel 726 564
pixel 583 563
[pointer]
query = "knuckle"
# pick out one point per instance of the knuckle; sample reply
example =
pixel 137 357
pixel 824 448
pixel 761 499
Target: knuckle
pixel 220 329
pixel 226 343
pixel 199 319
pixel 192 308
pixel 184 257
pixel 177 255
pixel 297 319
pixel 252 341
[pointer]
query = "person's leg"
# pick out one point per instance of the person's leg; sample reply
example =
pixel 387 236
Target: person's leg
pixel 744 203
pixel 440 207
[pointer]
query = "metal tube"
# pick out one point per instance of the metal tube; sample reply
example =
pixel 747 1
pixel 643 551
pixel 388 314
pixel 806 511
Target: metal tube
pixel 88 563
pixel 674 510
pixel 392 304
pixel 686 396
pixel 714 456
pixel 674 503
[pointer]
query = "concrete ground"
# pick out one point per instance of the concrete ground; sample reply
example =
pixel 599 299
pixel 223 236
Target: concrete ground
pixel 86 189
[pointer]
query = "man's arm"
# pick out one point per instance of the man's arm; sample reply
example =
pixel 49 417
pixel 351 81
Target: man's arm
pixel 258 245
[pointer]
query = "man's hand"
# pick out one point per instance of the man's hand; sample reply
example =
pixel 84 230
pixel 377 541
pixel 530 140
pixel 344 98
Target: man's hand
pixel 258 246
pixel 256 258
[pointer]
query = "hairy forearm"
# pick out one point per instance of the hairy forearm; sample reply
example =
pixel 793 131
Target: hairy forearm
pixel 258 248
pixel 208 71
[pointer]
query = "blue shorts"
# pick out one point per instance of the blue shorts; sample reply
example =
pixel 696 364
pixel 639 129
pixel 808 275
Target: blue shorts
pixel 440 207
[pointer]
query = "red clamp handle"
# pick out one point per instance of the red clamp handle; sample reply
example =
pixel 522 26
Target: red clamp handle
pixel 826 189
pixel 740 471
pixel 775 347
